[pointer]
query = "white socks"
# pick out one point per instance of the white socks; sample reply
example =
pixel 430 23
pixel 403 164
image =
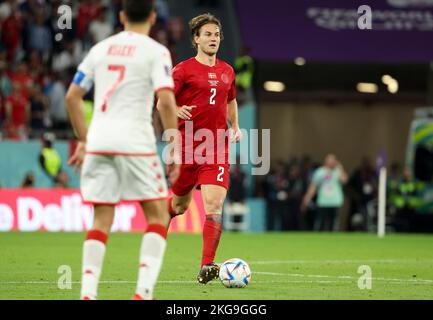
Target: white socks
pixel 151 256
pixel 93 259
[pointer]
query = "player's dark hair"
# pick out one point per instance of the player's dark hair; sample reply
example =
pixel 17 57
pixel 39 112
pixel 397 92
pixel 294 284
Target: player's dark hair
pixel 138 11
pixel 196 23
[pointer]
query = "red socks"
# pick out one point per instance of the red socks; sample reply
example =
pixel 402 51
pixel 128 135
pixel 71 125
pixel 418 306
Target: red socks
pixel 211 237
pixel 97 235
pixel 211 234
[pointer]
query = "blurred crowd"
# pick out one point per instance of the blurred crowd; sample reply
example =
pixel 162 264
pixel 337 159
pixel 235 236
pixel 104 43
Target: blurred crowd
pixel 304 195
pixel 39 55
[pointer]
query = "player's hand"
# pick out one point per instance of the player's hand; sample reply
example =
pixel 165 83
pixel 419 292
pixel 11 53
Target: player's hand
pixel 235 134
pixel 77 158
pixel 184 112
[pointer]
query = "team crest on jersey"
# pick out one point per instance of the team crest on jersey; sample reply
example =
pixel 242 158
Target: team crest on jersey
pixel 212 75
pixel 225 78
pixel 213 83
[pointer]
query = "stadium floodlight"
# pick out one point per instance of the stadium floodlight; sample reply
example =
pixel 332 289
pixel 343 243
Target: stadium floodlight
pixel 386 78
pixel 393 86
pixel 299 61
pixel 391 83
pixel 274 86
pixel 366 87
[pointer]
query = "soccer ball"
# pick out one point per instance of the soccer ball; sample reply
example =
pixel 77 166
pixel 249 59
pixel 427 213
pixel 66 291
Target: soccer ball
pixel 235 273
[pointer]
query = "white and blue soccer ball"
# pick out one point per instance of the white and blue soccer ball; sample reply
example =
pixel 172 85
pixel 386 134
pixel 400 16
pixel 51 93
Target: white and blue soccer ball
pixel 235 273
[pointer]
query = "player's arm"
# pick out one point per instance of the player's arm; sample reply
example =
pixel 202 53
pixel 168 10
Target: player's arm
pixel 232 114
pixel 168 112
pixel 183 112
pixel 167 108
pixel 75 108
pixel 82 83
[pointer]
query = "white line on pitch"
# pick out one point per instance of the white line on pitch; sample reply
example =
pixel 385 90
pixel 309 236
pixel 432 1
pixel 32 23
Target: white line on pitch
pixel 426 281
pixel 339 261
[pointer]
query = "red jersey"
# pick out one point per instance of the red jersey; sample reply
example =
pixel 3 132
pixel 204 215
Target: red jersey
pixel 208 88
pixel 19 110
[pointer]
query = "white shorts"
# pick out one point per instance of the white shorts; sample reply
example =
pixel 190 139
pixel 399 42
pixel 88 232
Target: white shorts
pixel 109 179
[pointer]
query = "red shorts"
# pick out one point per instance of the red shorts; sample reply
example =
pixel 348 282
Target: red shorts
pixel 192 175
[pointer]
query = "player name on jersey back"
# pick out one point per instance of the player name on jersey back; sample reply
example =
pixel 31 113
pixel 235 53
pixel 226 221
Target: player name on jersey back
pixel 121 50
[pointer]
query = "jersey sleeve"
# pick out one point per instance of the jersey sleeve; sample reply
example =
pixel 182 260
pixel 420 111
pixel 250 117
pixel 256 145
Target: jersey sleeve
pixel 161 72
pixel 179 78
pixel 232 91
pixel 85 75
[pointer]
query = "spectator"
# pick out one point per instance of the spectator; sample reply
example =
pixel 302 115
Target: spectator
pixel 236 210
pixel 237 191
pixel 362 188
pixel 49 158
pixel 39 35
pixel 62 180
pixel 277 185
pixel 6 9
pixel 56 96
pixel 29 180
pixel 100 28
pixel 5 89
pixel 2 113
pixel 87 12
pixel 5 83
pixel 308 217
pixel 17 114
pixel 406 201
pixel 23 77
pixel 11 33
pixel 296 189
pixel 36 67
pixel 162 9
pixel 68 58
pixel 394 178
pixel 327 182
pixel 39 109
pixel 244 68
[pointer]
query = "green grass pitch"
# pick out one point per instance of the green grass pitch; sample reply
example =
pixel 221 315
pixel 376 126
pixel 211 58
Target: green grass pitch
pixel 284 266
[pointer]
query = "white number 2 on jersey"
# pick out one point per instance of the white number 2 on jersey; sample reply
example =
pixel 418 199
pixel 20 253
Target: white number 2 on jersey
pixel 220 175
pixel 212 97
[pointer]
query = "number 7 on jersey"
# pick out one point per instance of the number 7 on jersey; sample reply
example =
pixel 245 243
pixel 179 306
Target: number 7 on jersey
pixel 121 70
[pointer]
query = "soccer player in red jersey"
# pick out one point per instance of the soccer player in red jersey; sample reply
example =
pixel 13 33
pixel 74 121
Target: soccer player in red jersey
pixel 206 96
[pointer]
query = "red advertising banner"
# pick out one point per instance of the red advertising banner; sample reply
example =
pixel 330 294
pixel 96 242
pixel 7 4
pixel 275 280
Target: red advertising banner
pixel 58 210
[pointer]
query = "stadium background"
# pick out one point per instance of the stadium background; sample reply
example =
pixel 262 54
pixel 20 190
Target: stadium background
pixel 306 71
pixel 301 68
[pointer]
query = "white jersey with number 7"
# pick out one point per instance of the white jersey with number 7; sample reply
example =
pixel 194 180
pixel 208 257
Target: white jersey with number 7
pixel 126 70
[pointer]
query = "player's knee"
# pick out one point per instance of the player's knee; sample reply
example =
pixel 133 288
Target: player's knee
pixel 180 208
pixel 214 205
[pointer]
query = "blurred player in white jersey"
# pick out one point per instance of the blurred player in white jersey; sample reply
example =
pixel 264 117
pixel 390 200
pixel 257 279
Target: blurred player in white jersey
pixel 118 153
